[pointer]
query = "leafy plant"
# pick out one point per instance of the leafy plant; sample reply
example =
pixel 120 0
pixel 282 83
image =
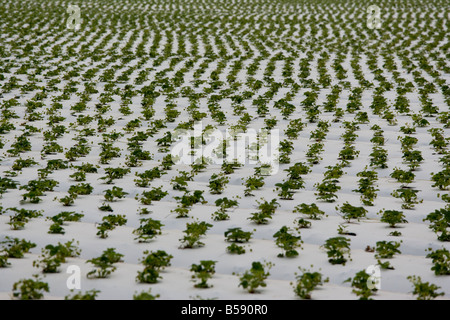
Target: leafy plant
pixel 145 295
pixel 15 247
pixel 441 260
pixel 439 223
pixel 104 265
pixel 255 277
pixel 408 196
pixel 424 290
pixel 148 229
pixel 337 248
pixel 307 282
pixel 153 263
pixel 203 272
pixel 360 285
pixel 217 183
pixel 193 232
pixel 350 212
pixel 237 235
pixel 392 217
pixel 387 249
pixel 114 193
pixel 88 295
pixel 253 183
pixel 30 289
pixel 155 194
pixel 110 222
pixel 288 242
pixel 312 211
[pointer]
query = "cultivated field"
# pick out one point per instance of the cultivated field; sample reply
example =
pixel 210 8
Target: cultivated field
pixel 354 107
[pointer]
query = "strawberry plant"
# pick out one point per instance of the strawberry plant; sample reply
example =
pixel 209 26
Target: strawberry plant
pixel 155 194
pixel 114 193
pixel 203 272
pixel 266 210
pixel 253 183
pixel 21 217
pixel 408 196
pixel 350 212
pixel 148 229
pixel 360 285
pixel 302 224
pixel 307 282
pixel 439 223
pixel 441 260
pixel 288 242
pixel 114 173
pixel 104 264
pixel 15 247
pixel 424 290
pixel 237 235
pixel 153 263
pixel 255 277
pixel 110 222
pixel 392 217
pixel 224 204
pixel 30 289
pixel 88 295
pixel 379 158
pixel 387 249
pixel 441 179
pixel 217 183
pixel 145 295
pixel 194 231
pixel 337 248
pixel 402 176
pixel 326 190
pixel 312 211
